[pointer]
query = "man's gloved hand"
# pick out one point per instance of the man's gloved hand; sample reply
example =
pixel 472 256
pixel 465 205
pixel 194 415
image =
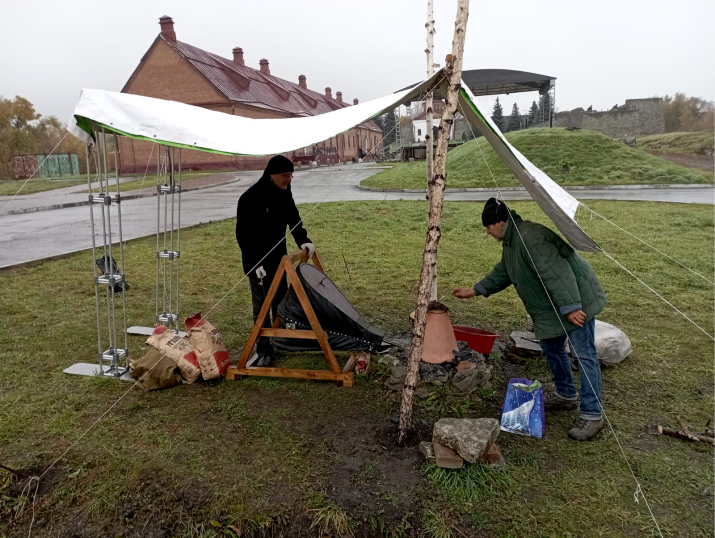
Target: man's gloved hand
pixel 310 247
pixel 260 273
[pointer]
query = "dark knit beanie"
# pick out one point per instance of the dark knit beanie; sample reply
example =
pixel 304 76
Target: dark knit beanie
pixel 494 211
pixel 278 165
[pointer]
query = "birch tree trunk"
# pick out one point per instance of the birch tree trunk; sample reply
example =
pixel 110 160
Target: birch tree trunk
pixel 453 72
pixel 429 143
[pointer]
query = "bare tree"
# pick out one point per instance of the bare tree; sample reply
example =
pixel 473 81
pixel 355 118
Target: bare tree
pixel 453 73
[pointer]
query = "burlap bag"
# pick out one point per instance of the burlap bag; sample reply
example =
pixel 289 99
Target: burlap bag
pixel 155 371
pixel 178 349
pixel 208 345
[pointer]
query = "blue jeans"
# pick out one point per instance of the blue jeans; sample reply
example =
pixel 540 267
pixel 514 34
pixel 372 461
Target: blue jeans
pixel 582 340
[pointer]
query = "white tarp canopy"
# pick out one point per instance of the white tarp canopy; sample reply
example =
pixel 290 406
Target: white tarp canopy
pixel 182 125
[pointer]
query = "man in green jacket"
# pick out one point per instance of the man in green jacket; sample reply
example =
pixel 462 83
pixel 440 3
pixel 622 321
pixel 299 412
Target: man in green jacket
pixel 562 295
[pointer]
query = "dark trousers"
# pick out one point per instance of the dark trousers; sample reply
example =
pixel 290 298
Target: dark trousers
pixel 258 295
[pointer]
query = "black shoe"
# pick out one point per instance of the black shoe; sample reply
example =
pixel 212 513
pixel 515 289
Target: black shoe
pixel 585 429
pixel 553 402
pixel 263 361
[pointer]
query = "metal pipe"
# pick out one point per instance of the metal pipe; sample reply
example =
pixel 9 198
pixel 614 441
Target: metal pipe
pixel 178 241
pixel 110 292
pixel 121 251
pixel 94 265
pixel 166 220
pixel 171 265
pixel 158 228
pixel 104 233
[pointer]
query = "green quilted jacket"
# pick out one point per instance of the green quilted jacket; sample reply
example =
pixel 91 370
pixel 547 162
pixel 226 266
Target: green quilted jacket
pixel 568 278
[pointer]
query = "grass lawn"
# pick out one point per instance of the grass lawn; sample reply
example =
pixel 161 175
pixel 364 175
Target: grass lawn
pixel 568 157
pixel 700 143
pixel 9 187
pixel 273 457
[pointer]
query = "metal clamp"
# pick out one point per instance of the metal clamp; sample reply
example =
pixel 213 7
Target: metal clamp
pixel 110 279
pixel 168 189
pixel 168 254
pixel 113 354
pixel 104 198
pixel 167 317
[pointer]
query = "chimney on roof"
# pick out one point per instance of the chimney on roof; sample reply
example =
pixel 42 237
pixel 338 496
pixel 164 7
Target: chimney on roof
pixel 328 93
pixel 355 101
pixel 264 67
pixel 167 27
pixel 339 95
pixel 238 56
pixel 301 82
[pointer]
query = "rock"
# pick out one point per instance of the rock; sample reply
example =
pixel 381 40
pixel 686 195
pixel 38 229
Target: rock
pixel 427 450
pixel 524 344
pixel 397 377
pixel 423 390
pixel 446 458
pixel 465 365
pixel 529 323
pixel 395 417
pixel 707 492
pixel 470 438
pixel 494 457
pixel 388 360
pixel 467 381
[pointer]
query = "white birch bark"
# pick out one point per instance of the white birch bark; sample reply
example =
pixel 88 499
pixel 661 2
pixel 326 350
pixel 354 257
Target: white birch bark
pixel 453 72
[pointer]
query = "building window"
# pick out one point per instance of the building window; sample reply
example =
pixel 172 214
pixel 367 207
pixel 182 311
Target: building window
pixel 419 132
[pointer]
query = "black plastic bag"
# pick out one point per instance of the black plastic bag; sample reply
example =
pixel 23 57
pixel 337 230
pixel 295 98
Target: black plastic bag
pixel 119 287
pixel 347 329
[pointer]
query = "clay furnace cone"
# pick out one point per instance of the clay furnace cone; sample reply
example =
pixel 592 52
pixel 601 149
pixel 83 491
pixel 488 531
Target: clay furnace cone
pixel 439 338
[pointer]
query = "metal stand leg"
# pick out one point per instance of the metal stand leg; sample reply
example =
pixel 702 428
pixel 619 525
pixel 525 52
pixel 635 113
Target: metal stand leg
pixel 168 242
pixel 113 361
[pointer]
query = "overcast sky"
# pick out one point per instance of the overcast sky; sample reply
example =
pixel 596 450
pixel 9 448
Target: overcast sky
pixel 601 53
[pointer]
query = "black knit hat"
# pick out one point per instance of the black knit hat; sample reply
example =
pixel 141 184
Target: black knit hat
pixel 278 165
pixel 494 211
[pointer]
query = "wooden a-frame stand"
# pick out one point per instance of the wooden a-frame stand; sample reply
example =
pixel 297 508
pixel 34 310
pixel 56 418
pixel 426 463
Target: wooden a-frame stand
pixel 317 332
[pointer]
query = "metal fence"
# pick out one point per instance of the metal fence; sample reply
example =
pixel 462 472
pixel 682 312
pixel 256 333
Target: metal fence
pixel 56 165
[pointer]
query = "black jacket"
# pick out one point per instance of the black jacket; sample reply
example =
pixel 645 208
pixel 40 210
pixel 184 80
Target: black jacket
pixel 264 212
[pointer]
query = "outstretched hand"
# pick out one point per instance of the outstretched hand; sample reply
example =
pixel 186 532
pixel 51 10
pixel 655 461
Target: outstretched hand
pixel 577 317
pixel 464 293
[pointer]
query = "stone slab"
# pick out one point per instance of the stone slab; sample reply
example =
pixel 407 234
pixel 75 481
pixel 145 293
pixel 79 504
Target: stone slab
pixel 427 450
pixel 447 458
pixel 470 438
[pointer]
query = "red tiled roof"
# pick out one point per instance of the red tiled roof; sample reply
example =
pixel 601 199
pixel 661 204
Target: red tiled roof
pixel 243 84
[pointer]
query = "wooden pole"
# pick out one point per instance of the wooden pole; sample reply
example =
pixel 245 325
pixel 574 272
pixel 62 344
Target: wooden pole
pixel 453 72
pixel 429 143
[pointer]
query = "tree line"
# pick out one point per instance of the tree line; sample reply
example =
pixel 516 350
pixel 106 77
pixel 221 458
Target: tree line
pixel 23 131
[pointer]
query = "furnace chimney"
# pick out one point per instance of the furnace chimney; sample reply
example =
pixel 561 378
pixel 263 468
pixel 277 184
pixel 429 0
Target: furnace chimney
pixel 301 82
pixel 328 93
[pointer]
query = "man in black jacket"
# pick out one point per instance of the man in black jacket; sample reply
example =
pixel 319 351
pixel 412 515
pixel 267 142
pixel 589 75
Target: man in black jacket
pixel 264 212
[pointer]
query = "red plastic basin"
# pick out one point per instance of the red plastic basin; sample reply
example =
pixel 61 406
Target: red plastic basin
pixel 477 339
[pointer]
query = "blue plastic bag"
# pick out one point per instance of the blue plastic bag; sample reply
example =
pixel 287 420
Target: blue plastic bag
pixel 523 410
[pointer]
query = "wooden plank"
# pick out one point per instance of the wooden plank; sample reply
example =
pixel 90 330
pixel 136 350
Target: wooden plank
pixel 298 256
pixel 288 333
pixel 314 323
pixel 317 262
pixel 324 375
pixel 258 325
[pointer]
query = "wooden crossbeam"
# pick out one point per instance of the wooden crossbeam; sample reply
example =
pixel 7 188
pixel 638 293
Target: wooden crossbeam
pixel 317 332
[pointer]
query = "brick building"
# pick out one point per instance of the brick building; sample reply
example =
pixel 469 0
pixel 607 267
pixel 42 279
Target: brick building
pixel 178 71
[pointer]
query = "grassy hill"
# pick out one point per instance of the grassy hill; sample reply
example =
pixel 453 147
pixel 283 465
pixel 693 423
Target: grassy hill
pixel 568 157
pixel 699 143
